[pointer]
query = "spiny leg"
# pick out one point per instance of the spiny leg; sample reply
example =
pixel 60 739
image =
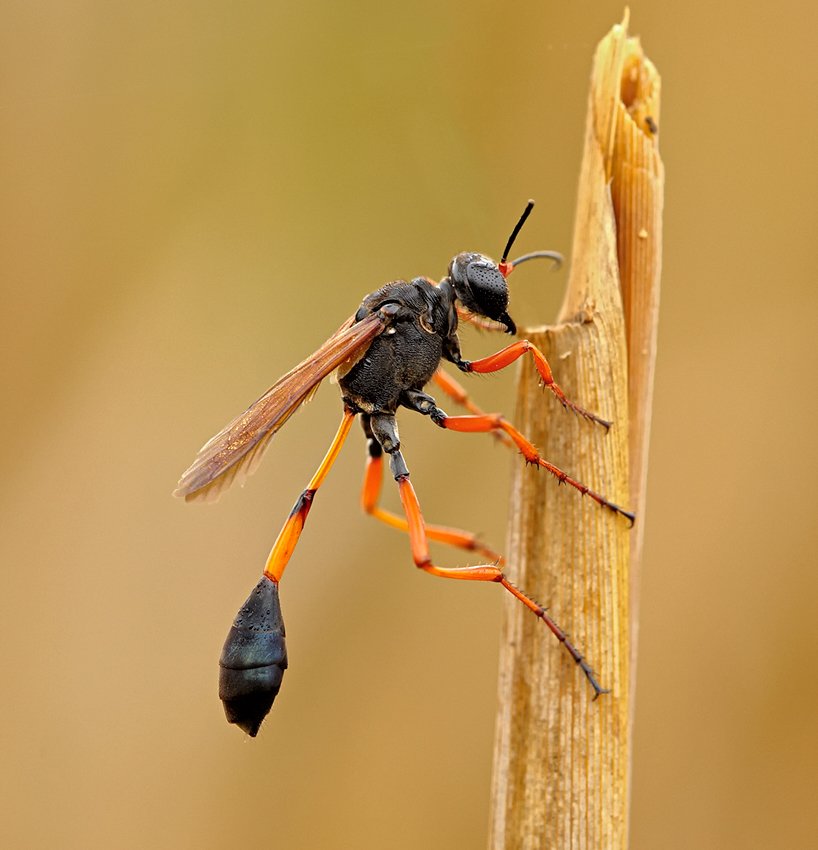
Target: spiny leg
pixel 291 531
pixel 483 423
pixel 418 540
pixel 493 422
pixel 370 496
pixel 458 395
pixel 455 391
pixel 495 362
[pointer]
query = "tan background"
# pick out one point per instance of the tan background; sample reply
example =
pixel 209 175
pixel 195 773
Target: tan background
pixel 194 195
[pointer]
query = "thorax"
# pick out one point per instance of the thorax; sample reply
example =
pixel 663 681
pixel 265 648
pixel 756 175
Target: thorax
pixel 407 354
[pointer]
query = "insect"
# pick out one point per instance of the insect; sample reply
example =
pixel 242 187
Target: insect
pixel 384 355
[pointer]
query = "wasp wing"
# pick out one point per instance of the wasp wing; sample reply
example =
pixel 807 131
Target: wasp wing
pixel 237 449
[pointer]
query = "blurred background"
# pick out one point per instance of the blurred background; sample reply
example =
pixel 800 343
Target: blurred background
pixel 195 195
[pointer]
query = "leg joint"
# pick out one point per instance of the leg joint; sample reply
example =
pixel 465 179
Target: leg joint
pixel 385 430
pixel 438 417
pixel 398 465
pixel 303 503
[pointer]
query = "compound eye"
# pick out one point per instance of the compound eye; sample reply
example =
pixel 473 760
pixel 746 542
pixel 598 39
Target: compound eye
pixel 489 288
pixel 484 275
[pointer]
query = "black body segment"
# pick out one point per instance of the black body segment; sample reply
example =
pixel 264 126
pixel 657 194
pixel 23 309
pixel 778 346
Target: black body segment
pixel 407 354
pixel 253 659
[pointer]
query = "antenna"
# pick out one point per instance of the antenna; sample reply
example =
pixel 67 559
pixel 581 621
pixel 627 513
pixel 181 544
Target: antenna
pixel 505 267
pixel 546 255
pixel 526 213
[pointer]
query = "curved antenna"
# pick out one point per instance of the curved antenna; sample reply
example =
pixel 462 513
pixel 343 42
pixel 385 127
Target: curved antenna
pixel 517 228
pixel 546 255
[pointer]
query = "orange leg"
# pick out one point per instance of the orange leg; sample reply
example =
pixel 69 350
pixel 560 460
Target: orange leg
pixel 458 395
pixel 289 534
pixel 495 362
pixel 494 422
pixel 418 534
pixel 452 536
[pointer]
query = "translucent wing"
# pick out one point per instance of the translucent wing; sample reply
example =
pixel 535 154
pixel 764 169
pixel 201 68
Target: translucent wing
pixel 237 449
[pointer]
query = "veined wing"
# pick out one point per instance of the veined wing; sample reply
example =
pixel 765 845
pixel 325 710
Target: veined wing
pixel 238 447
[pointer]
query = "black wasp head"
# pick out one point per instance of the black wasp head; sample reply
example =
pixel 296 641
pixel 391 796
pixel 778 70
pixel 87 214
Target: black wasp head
pixel 480 284
pixel 481 287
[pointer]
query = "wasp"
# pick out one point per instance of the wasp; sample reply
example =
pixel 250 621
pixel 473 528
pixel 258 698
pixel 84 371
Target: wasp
pixel 383 356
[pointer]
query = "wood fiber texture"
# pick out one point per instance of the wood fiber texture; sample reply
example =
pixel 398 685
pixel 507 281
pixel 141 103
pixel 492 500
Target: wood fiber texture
pixel 562 761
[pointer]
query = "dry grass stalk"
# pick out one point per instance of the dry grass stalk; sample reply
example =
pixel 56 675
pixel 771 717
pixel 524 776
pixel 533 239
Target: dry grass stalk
pixel 561 773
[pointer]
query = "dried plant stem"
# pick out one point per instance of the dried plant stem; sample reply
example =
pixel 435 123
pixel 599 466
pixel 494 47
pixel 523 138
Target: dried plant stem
pixel 562 762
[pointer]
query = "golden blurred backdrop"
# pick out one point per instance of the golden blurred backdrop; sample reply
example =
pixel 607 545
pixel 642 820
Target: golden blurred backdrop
pixel 195 194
